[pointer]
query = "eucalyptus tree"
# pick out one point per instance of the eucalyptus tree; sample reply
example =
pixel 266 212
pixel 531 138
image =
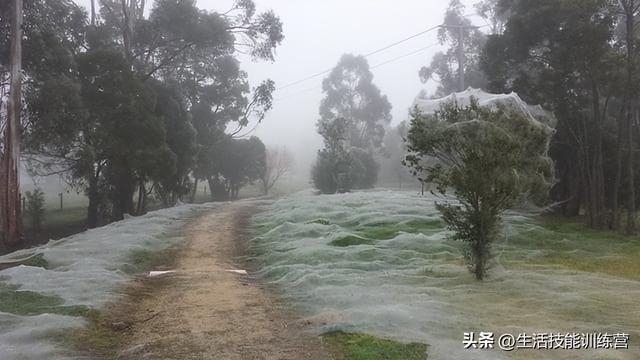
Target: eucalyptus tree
pixel 459 64
pixel 196 49
pixel 628 13
pixel 244 163
pixel 51 31
pixel 559 53
pixel 354 105
pixel 351 94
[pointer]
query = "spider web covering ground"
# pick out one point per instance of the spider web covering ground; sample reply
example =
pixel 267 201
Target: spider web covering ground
pixel 381 262
pixel 73 275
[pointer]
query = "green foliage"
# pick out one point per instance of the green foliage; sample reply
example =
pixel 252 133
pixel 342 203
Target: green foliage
pixel 339 168
pixel 368 233
pixel 233 164
pixel 28 303
pixel 355 346
pixel 364 172
pixel 37 260
pixel 557 242
pixel 331 172
pixel 444 65
pixel 491 160
pixel 353 116
pixel 351 95
pixel 98 337
pixel 568 56
pixel 181 140
pixel 35 208
pixel 244 164
pixel 137 108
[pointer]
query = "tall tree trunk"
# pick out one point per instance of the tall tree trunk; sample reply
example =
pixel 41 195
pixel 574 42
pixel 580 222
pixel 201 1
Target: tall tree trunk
pixel 129 16
pixel 596 166
pixel 631 196
pixel 141 9
pixel 93 13
pixel 124 190
pixel 94 197
pixel 194 191
pixel 142 195
pixel 615 193
pixel 630 8
pixel 210 183
pixel 11 231
pixel 94 202
pixel 572 207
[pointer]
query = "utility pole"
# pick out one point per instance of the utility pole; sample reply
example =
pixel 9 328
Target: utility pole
pixel 460 52
pixel 11 216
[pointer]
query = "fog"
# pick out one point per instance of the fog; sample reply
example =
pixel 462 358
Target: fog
pixel 317 33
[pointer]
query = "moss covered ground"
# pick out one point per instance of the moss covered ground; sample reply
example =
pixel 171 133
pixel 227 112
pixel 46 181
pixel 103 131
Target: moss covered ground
pixel 357 346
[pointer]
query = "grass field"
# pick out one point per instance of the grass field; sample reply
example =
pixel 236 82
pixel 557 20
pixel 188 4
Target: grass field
pixel 382 263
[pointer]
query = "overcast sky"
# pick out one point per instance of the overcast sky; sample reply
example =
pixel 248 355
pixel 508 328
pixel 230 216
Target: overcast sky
pixel 317 33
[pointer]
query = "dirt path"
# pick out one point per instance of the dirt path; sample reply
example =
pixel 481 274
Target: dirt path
pixel 205 312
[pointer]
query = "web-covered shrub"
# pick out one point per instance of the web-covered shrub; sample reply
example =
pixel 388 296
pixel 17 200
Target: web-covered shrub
pixel 489 158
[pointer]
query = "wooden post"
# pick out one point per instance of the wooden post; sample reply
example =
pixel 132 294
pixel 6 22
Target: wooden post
pixel 61 195
pixel 11 223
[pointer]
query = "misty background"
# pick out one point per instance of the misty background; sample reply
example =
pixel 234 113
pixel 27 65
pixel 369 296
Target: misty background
pixel 317 33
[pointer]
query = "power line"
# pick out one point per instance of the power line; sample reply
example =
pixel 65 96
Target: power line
pixel 403 40
pixel 313 76
pixel 303 80
pixel 405 55
pixel 296 93
pixel 373 67
pixel 366 55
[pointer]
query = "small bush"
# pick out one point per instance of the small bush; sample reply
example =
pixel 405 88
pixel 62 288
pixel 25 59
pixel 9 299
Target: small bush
pixel 344 170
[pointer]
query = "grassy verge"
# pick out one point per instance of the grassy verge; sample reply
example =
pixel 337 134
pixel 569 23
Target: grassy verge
pixel 106 332
pixel 28 303
pixel 143 260
pixel 106 329
pixel 356 346
pixel 574 246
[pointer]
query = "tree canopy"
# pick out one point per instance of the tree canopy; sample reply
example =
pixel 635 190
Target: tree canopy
pixel 490 159
pixel 353 117
pixel 135 104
